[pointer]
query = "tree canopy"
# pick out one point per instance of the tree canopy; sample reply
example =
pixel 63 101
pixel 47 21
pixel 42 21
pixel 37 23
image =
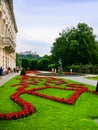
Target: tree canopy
pixel 76 46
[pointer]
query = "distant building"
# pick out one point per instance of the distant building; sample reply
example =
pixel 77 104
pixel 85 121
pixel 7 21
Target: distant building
pixel 8 30
pixel 28 54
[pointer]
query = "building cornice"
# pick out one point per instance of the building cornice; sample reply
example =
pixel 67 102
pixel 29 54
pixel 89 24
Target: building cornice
pixel 10 2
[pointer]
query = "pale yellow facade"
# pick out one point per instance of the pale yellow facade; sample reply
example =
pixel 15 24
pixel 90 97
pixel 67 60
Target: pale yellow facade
pixel 8 30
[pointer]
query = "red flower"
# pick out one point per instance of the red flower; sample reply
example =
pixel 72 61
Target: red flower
pixel 27 108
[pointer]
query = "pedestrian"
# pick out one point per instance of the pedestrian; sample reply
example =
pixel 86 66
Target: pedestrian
pixel 52 70
pixel 70 70
pixel 14 70
pixel 55 70
pixel 1 72
pixel 9 71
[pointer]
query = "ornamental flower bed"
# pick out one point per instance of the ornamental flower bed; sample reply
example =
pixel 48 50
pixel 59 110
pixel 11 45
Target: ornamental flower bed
pixel 32 72
pixel 27 108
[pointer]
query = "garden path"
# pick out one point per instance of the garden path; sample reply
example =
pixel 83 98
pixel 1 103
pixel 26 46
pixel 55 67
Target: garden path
pixel 77 78
pixel 6 78
pixel 82 79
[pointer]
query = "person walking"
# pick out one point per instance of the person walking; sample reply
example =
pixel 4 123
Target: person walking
pixel 1 72
pixel 9 71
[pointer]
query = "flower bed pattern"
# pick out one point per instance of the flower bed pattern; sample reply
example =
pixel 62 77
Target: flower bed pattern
pixel 28 108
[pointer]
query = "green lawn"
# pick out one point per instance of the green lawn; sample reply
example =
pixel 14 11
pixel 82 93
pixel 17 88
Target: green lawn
pixel 93 78
pixel 50 115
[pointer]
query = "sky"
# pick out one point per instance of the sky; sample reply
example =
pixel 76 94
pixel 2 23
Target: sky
pixel 39 22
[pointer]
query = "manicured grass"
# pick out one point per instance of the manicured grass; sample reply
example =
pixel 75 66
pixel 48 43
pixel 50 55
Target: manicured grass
pixel 56 92
pixel 93 78
pixel 50 115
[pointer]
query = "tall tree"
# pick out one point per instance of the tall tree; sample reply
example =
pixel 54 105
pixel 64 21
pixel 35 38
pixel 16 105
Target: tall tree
pixel 33 64
pixel 25 63
pixel 43 64
pixel 18 62
pixel 76 45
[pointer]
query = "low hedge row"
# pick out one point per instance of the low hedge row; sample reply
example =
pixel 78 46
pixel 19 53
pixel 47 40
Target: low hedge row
pixel 88 69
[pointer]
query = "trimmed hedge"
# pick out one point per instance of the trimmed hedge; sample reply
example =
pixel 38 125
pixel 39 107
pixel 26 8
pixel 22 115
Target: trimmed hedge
pixel 88 69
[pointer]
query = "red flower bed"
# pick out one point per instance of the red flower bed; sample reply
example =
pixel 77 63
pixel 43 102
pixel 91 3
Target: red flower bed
pixel 28 108
pixel 32 72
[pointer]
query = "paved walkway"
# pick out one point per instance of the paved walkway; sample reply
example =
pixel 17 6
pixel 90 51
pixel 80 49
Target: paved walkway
pixel 7 78
pixel 78 78
pixel 82 79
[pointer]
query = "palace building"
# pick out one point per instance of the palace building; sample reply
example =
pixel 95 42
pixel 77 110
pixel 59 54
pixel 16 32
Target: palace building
pixel 8 30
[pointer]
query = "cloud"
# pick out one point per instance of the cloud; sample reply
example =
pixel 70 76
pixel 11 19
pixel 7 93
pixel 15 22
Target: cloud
pixel 40 47
pixel 40 21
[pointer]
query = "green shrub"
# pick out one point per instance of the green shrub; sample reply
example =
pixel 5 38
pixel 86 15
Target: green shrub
pixel 23 72
pixel 51 66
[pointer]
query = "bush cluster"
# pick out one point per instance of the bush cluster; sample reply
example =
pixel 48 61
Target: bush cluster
pixel 88 69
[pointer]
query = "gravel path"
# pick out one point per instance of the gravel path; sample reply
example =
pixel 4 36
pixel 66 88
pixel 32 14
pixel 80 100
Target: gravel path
pixel 77 78
pixel 6 78
pixel 82 79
